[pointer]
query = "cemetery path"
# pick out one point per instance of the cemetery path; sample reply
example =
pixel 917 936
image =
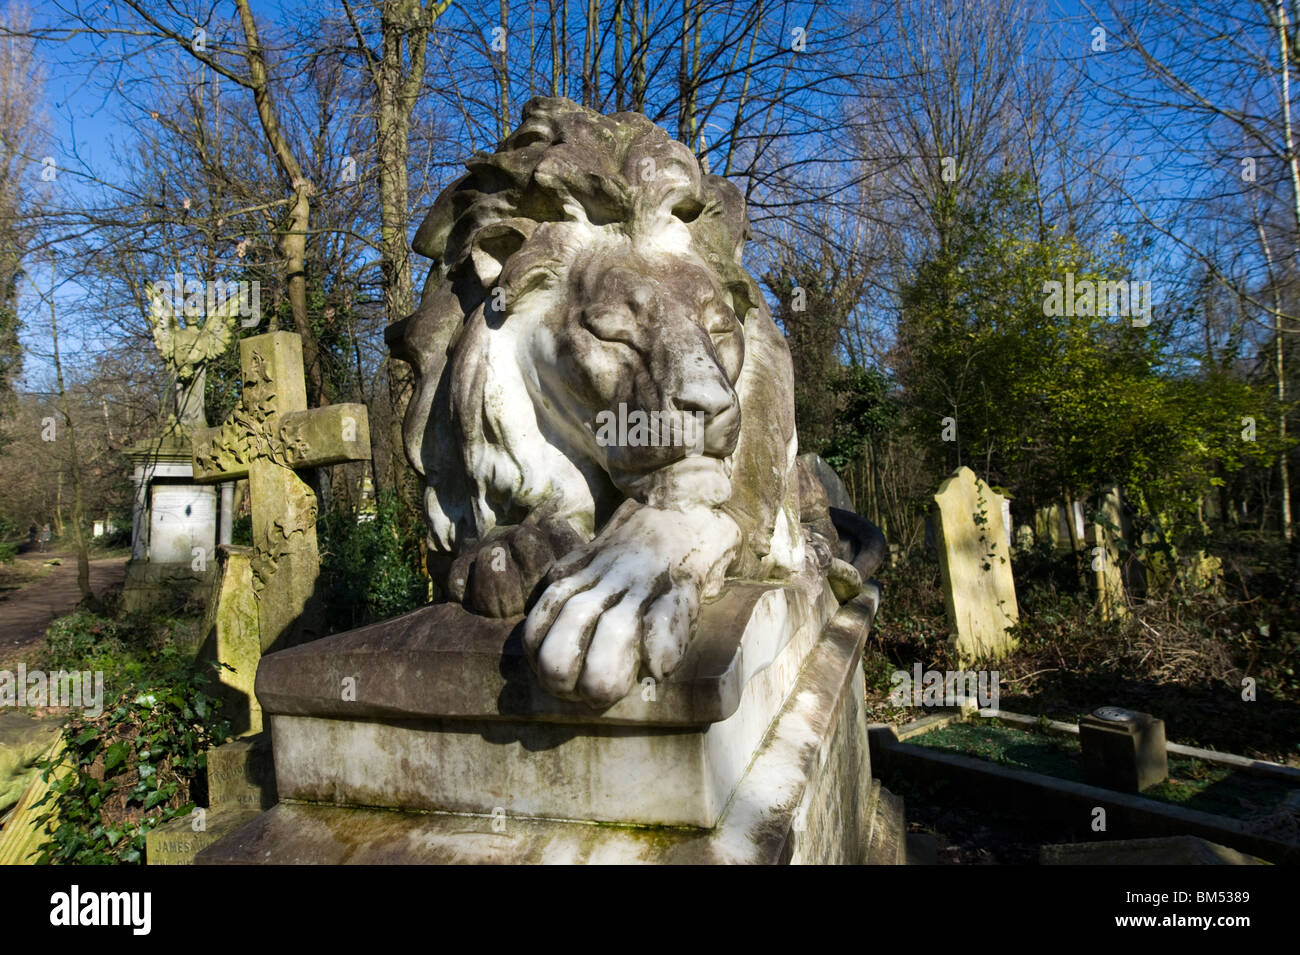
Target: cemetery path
pixel 26 613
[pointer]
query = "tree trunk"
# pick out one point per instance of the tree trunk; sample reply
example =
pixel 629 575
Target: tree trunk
pixel 1293 167
pixel 78 501
pixel 291 242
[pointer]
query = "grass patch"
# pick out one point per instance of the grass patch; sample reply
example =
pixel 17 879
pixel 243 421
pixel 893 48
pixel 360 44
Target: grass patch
pixel 1193 783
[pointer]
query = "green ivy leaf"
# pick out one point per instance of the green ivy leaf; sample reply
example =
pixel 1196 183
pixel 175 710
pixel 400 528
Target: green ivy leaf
pixel 116 755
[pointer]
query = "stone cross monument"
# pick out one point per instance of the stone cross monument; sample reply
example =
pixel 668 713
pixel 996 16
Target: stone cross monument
pixel 268 437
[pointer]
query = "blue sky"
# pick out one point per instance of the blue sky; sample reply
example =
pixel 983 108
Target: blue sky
pixel 86 118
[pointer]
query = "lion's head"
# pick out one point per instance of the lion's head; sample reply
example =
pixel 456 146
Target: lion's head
pixel 586 284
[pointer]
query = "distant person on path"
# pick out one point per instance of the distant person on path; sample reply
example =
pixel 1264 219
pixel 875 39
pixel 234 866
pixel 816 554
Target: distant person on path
pixel 31 535
pixel 45 537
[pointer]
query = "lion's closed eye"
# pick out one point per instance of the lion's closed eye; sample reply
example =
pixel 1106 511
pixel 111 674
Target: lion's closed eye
pixel 728 340
pixel 610 324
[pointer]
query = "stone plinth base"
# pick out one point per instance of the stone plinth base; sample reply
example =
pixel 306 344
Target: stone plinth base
pixel 806 797
pixel 154 586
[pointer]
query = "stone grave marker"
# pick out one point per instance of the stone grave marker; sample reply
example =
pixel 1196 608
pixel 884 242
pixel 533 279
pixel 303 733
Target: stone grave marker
pixel 232 636
pixel 1024 538
pixel 240 785
pixel 975 563
pixel 1105 540
pixel 267 438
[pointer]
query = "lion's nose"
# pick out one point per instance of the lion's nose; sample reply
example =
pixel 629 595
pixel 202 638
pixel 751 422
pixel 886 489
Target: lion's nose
pixel 704 396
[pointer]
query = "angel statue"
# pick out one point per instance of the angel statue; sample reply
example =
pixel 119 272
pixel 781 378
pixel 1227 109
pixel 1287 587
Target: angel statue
pixel 187 349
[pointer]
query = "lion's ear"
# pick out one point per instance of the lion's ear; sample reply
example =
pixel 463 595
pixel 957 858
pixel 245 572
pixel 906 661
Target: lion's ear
pixel 494 244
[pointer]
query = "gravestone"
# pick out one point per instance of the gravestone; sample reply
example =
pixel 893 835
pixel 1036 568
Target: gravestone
pixel 1156 564
pixel 1050 525
pixel 642 657
pixel 269 436
pixel 975 565
pixel 173 527
pixel 231 635
pixel 1204 571
pixel 1024 538
pixel 239 785
pixel 1106 538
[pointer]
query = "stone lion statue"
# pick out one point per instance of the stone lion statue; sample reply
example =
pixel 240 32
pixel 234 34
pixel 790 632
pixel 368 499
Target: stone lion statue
pixel 603 411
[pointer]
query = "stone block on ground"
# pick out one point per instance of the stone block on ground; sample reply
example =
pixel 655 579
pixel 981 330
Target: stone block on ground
pixel 1123 749
pixel 177 842
pixel 240 774
pixel 157 587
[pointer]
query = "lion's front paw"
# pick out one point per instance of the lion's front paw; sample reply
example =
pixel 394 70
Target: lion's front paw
pixel 592 630
pixel 498 575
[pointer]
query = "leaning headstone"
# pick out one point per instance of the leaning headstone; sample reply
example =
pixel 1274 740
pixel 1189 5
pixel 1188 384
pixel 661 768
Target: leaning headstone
pixel 231 636
pixel 975 565
pixel 1123 749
